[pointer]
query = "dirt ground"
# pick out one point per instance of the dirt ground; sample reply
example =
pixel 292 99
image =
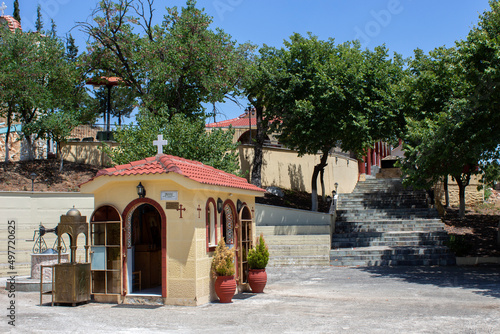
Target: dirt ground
pixel 15 176
pixel 474 235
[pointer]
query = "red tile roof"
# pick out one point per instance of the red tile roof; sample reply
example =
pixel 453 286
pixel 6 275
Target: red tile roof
pixel 194 170
pixel 238 122
pixel 106 81
pixel 11 22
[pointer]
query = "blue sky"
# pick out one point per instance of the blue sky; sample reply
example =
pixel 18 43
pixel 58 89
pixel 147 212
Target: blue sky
pixel 403 25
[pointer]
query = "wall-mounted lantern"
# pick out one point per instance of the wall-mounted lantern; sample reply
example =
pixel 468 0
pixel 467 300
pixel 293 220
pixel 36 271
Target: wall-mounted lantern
pixel 141 191
pixel 219 205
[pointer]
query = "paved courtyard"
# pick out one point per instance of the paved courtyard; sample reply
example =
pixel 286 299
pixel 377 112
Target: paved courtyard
pixel 299 299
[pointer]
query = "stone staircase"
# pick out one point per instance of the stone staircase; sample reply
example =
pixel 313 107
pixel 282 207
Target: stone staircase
pixel 382 224
pixel 302 244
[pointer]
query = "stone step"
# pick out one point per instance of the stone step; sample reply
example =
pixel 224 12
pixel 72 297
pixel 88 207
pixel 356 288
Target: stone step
pixel 292 230
pixel 298 250
pixel 391 256
pixel 351 240
pixel 314 239
pixel 384 228
pixel 384 216
pixel 318 260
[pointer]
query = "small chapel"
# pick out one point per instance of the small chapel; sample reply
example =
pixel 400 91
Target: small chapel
pixel 156 224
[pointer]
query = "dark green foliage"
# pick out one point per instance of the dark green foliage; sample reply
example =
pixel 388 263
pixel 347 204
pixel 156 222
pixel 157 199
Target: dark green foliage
pixel 458 244
pixel 122 101
pixel 175 66
pixel 71 48
pixel 39 22
pixel 43 91
pixel 186 138
pixel 16 14
pixel 259 255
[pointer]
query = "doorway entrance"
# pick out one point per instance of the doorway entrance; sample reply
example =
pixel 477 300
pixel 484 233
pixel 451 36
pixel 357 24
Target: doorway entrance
pixel 145 254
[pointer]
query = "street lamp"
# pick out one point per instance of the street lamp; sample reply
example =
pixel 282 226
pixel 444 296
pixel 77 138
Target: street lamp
pixel 109 82
pixel 33 177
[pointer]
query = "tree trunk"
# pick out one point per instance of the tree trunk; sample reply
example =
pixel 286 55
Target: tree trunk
pixel 59 152
pixel 462 184
pixel 314 181
pixel 256 178
pixel 7 135
pixel 446 193
pixel 29 142
pixel 322 182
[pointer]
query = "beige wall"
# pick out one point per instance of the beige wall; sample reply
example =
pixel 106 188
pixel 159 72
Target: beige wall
pixel 282 167
pixel 188 262
pixel 285 169
pixel 473 196
pixel 29 210
pixel 87 152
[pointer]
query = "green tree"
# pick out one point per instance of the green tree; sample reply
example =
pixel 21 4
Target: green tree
pixel 122 101
pixel 36 79
pixel 39 22
pixel 71 48
pixel 327 95
pixel 176 66
pixel 456 121
pixel 186 138
pixel 479 57
pixel 255 84
pixel 16 14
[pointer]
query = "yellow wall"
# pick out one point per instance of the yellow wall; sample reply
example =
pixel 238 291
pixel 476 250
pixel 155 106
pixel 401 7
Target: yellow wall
pixel 188 263
pixel 29 210
pixel 87 152
pixel 285 169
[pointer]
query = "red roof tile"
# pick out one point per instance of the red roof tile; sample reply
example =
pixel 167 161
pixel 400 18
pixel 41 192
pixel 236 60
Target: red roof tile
pixel 194 170
pixel 238 122
pixel 11 22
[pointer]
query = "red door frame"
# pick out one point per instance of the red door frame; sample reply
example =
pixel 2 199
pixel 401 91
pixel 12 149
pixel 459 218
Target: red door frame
pixel 236 223
pixel 129 210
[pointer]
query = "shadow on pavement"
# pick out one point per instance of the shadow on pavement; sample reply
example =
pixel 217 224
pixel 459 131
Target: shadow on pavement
pixel 483 280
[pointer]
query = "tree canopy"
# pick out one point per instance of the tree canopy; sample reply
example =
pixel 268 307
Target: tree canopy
pixel 37 81
pixel 326 95
pixel 186 138
pixel 175 66
pixel 454 125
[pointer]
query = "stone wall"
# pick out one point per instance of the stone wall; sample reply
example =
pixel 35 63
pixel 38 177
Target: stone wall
pixel 473 196
pixel 18 148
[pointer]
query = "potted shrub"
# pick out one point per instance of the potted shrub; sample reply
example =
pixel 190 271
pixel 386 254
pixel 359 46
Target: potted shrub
pixel 223 271
pixel 257 262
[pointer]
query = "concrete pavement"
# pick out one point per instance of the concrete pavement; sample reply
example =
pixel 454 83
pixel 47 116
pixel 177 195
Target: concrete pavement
pixel 299 299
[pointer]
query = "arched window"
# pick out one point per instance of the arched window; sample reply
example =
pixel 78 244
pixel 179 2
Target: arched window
pixel 211 224
pixel 228 221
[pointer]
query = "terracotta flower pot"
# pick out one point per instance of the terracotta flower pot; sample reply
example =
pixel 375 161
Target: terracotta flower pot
pixel 225 287
pixel 257 278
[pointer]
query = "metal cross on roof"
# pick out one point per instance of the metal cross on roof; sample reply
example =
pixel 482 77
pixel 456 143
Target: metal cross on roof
pixel 3 7
pixel 159 143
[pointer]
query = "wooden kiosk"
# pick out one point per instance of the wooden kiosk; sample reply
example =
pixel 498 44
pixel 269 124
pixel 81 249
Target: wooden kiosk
pixel 70 280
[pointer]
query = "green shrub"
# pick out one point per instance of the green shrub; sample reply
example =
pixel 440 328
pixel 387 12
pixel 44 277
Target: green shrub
pixel 458 244
pixel 258 256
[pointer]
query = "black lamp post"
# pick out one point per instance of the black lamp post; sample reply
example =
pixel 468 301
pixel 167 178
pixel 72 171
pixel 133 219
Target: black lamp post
pixel 141 191
pixel 33 177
